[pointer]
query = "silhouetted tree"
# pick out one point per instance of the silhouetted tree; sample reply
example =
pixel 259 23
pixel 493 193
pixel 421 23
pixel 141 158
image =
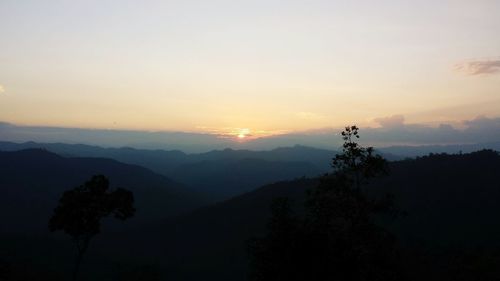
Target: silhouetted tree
pixel 357 163
pixel 81 209
pixel 274 258
pixel 336 239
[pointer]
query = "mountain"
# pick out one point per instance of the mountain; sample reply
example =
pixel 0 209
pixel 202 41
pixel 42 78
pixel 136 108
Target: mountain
pixel 231 178
pixel 400 152
pixel 449 200
pixel 157 160
pixel 321 158
pixel 220 173
pixel 32 181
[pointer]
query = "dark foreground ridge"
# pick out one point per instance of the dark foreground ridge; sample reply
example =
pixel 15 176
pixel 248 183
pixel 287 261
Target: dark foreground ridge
pixel 450 227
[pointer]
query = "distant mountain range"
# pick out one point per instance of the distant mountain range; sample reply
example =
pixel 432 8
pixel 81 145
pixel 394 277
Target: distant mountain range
pixel 400 152
pixel 168 159
pixel 32 181
pixel 219 174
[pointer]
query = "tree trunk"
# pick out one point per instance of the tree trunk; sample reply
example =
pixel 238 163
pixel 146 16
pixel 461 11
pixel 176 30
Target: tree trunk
pixel 77 265
pixel 81 250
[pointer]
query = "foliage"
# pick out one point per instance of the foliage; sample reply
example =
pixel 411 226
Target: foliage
pixel 81 210
pixel 356 162
pixel 274 257
pixel 337 238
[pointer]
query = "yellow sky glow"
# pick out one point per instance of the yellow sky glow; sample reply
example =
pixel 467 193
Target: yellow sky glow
pixel 247 69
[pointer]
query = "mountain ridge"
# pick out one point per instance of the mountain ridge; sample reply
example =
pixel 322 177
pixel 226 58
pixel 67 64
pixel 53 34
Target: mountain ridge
pixel 431 190
pixel 37 176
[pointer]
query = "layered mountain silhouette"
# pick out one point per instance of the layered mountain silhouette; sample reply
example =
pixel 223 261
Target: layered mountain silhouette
pixel 449 200
pixel 32 180
pixel 219 174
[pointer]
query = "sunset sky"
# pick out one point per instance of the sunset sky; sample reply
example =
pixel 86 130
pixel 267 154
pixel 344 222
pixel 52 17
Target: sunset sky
pixel 257 67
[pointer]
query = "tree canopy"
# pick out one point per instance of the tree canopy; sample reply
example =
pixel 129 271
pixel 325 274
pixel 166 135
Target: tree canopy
pixel 81 209
pixel 336 238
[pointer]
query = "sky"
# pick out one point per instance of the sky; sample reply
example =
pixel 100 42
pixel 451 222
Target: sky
pixel 248 68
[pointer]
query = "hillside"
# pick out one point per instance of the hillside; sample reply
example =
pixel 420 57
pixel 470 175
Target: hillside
pixel 449 200
pixel 31 182
pixel 450 203
pixel 219 174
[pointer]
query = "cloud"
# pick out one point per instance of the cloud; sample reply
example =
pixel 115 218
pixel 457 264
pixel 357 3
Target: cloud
pixel 487 126
pixel 394 132
pixel 391 121
pixel 479 67
pixel 2 89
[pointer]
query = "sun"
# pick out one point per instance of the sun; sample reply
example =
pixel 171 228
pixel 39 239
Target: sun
pixel 243 133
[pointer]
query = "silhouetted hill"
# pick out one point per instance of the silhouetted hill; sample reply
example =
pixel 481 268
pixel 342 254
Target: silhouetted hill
pixel 449 200
pixel 400 152
pixel 231 178
pixel 219 173
pixel 209 243
pixel 298 153
pixel 156 160
pixel 31 182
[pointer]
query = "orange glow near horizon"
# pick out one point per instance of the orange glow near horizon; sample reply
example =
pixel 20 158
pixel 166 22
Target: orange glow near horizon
pixel 239 134
pixel 242 134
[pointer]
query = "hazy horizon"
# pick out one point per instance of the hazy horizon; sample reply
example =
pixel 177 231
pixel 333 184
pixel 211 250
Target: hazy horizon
pixel 392 131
